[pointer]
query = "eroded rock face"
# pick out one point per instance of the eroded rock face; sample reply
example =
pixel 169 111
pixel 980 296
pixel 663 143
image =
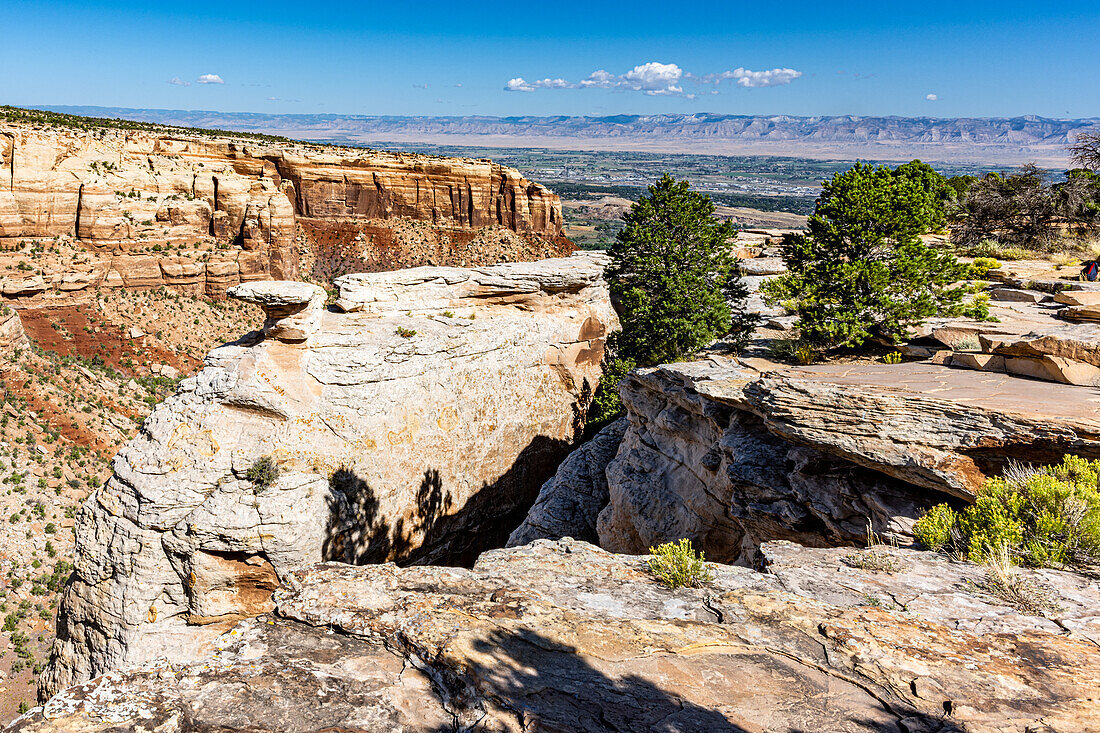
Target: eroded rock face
pixel 730 456
pixel 570 502
pixel 202 213
pixel 564 636
pixel 692 464
pixel 416 428
pixel 12 335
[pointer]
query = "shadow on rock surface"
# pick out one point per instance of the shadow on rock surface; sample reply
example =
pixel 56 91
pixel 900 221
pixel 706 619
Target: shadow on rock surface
pixel 549 686
pixel 358 533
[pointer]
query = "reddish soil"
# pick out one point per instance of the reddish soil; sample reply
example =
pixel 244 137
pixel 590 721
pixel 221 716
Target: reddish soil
pixel 79 336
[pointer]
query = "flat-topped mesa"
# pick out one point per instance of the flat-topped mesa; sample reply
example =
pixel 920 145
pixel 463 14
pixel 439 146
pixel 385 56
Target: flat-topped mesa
pixel 292 309
pixel 415 434
pixel 142 208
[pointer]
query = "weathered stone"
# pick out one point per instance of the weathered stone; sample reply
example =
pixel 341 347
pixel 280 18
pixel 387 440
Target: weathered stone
pixel 944 429
pixel 12 335
pixel 981 362
pixel 399 436
pixel 1078 297
pixel 1017 295
pixel 762 266
pixel 1081 312
pixel 693 465
pixel 1053 369
pixel 293 309
pixel 564 636
pixel 569 503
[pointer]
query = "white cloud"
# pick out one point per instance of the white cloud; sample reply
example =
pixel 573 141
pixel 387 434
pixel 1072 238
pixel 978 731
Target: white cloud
pixel 209 79
pixel 752 79
pixel 600 79
pixel 519 84
pixel 931 97
pixel 658 79
pixel 654 79
pixel 176 81
pixel 420 86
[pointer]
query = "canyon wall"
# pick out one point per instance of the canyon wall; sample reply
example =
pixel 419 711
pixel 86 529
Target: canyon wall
pixel 102 207
pixel 415 425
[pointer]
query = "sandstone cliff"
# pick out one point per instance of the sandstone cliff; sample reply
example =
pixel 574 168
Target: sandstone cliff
pixel 415 425
pixel 729 457
pixel 564 636
pixel 140 208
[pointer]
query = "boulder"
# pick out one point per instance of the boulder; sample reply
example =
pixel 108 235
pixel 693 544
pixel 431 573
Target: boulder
pixel 419 433
pixel 1018 295
pixel 558 636
pixel 1078 297
pixel 692 464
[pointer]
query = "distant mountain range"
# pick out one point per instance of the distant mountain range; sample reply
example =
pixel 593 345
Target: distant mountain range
pixel 964 139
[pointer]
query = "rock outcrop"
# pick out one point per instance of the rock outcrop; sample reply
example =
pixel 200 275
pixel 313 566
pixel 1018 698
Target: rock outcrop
pixel 729 456
pixel 162 207
pixel 569 503
pixel 707 457
pixel 564 636
pixel 415 426
pixel 12 335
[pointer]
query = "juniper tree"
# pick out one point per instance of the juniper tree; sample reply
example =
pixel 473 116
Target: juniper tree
pixel 674 278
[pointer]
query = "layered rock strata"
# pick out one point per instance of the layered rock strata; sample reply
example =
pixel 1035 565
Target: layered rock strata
pixel 729 456
pixel 148 208
pixel 416 425
pixel 564 636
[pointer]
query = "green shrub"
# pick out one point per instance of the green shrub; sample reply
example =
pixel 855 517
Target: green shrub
pixel 981 266
pixel 263 472
pixel 793 351
pixel 984 249
pixel 1016 253
pixel 676 565
pixel 894 357
pixel 1044 517
pixel 934 530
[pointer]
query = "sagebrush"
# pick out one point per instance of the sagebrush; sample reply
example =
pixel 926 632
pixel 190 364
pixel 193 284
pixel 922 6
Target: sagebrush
pixel 677 565
pixel 1042 517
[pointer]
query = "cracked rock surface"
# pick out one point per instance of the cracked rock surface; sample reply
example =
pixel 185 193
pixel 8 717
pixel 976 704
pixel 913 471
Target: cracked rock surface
pixel 730 456
pixel 412 434
pixel 557 636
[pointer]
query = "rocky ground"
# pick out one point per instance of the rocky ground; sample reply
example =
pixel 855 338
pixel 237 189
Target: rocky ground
pixel 76 383
pixel 561 635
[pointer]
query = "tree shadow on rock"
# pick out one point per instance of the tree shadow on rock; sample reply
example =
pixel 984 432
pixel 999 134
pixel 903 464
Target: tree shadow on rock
pixel 550 686
pixel 433 532
pixel 489 516
pixel 355 533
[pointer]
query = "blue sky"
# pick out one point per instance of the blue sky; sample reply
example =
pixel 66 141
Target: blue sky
pixel 522 58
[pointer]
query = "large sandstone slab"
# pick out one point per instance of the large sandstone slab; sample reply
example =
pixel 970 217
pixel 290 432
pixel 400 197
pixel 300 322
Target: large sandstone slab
pixel 564 636
pixel 698 461
pixel 928 425
pixel 421 433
